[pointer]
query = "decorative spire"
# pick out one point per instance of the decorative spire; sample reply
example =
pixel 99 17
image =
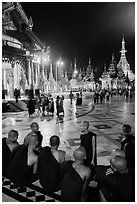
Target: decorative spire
pixel 89 62
pixel 123 51
pixel 105 69
pixel 113 57
pixel 51 78
pixel 75 65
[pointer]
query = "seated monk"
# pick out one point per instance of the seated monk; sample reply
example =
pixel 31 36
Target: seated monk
pixel 8 145
pixel 76 178
pixel 49 162
pixel 35 129
pixel 115 181
pixel 23 168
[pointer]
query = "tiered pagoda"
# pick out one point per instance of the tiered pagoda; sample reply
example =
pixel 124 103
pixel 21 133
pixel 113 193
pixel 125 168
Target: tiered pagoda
pixel 70 71
pixel 106 79
pixel 112 67
pixel 118 76
pixel 52 86
pixel 89 82
pixel 21 67
pixel 123 65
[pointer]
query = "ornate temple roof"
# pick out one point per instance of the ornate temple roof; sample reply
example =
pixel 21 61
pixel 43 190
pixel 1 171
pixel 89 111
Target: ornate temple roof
pixel 13 11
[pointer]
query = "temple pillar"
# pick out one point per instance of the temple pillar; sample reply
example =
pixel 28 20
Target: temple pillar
pixel 4 81
pixel 15 76
pixel 30 86
pixel 37 80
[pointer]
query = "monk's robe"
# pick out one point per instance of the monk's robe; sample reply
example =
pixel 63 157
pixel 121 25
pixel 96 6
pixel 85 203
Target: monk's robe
pixel 71 187
pixel 48 170
pixel 6 153
pixel 19 172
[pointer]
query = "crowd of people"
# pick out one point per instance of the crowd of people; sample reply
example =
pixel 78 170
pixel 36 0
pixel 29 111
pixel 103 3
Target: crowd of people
pixel 45 104
pixel 30 161
pixel 103 95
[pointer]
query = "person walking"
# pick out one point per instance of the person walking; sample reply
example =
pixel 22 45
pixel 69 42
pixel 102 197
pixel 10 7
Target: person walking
pixel 30 106
pixel 71 96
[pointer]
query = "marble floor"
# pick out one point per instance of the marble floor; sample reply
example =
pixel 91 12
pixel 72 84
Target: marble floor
pixel 105 120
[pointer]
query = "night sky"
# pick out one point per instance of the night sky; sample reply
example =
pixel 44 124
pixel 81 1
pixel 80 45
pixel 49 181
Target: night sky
pixel 85 29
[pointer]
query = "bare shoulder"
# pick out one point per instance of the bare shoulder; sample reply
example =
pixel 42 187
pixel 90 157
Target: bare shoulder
pixel 87 170
pixel 61 152
pixel 61 155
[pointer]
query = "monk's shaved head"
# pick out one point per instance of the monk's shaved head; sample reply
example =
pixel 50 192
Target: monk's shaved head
pixel 117 152
pixel 54 140
pixel 79 153
pixel 119 164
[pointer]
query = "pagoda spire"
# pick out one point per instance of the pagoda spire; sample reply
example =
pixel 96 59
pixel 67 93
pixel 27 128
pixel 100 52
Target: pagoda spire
pixel 51 78
pixel 89 62
pixel 112 67
pixel 75 64
pixel 123 51
pixel 66 76
pixel 123 66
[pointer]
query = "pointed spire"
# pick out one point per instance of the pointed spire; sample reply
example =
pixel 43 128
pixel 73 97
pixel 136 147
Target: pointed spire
pixel 46 74
pixel 123 51
pixel 105 69
pixel 89 62
pixel 75 65
pixel 51 73
pixel 113 57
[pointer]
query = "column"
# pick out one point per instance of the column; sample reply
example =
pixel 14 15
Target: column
pixel 30 88
pixel 15 76
pixel 37 80
pixel 4 81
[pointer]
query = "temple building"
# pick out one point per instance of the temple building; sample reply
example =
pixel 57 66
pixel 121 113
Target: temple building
pixel 123 64
pixel 112 67
pixel 23 53
pixel 118 76
pixel 88 80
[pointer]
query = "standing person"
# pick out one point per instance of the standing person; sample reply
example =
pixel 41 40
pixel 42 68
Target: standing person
pixel 76 178
pixel 34 130
pixel 77 99
pixel 95 97
pixel 107 96
pixel 61 109
pixel 80 98
pixel 8 145
pixel 38 104
pixel 101 97
pixel 57 105
pixel 47 103
pixel 51 106
pixel 30 106
pixel 88 141
pixel 43 105
pixel 23 168
pixel 16 94
pixel 49 162
pixel 71 96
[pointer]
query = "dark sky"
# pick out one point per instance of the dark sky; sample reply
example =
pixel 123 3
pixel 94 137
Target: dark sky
pixel 85 29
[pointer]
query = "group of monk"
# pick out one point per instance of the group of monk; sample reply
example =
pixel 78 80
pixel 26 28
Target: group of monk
pixel 25 163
